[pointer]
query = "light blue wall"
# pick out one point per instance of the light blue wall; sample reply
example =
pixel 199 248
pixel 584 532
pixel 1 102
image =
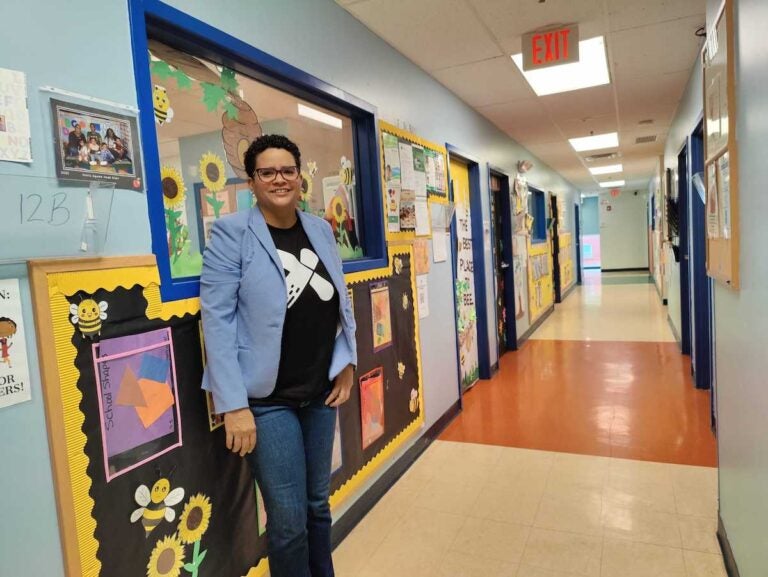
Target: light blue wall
pixel 624 231
pixel 316 36
pixel 590 217
pixel 741 320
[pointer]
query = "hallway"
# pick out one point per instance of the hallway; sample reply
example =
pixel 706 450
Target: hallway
pixel 588 454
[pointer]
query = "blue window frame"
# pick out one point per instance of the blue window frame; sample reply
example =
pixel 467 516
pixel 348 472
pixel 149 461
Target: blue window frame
pixel 151 19
pixel 537 207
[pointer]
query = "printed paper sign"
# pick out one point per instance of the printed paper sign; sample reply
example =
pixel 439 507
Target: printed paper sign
pixel 15 144
pixel 14 369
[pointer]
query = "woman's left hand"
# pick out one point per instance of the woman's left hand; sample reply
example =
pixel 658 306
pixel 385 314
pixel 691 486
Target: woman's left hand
pixel 342 385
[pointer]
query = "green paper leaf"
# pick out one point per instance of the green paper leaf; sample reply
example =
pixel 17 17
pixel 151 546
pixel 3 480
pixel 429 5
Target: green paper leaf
pixel 228 80
pixel 183 81
pixel 202 556
pixel 231 110
pixel 212 95
pixel 161 69
pixel 189 567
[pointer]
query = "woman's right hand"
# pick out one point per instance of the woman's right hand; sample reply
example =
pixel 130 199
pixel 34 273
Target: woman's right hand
pixel 241 431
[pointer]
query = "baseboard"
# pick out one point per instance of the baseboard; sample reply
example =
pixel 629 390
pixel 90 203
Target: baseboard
pixel 534 326
pixel 627 270
pixel 568 292
pixel 725 547
pixel 360 508
pixel 591 268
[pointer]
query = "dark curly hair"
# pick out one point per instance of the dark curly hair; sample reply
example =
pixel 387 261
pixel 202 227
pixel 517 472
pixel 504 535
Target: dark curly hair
pixel 264 142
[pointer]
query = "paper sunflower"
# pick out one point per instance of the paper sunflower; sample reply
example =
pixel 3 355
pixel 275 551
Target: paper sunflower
pixel 306 187
pixel 173 187
pixel 167 558
pixel 212 171
pixel 194 520
pixel 338 211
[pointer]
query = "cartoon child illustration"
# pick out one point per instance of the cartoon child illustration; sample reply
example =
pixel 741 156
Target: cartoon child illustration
pixel 7 330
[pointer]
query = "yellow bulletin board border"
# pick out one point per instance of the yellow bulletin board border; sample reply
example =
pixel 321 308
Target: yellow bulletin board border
pixel 348 488
pixel 51 282
pixel 548 298
pixel 720 69
pixel 432 197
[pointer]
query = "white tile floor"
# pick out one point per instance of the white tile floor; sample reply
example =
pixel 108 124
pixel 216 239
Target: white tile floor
pixel 466 510
pixel 592 311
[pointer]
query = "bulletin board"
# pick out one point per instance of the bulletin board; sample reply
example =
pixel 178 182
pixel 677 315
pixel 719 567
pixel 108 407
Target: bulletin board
pixel 541 294
pixel 414 174
pixel 127 418
pixel 721 175
pixel 566 261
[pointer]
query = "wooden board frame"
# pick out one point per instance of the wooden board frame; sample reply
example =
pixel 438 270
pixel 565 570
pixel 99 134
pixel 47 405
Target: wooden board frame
pixel 722 253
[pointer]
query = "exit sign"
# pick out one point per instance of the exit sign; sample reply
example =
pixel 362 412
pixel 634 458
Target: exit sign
pixel 550 47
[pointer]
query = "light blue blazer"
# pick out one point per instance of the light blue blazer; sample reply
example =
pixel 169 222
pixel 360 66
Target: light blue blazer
pixel 243 299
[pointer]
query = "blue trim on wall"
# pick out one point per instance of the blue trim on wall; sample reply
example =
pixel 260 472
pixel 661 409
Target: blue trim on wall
pixel 156 19
pixel 539 231
pixel 476 218
pixel 577 223
pixel 684 192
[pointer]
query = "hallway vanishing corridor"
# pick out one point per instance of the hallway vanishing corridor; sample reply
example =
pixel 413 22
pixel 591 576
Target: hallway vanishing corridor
pixel 588 454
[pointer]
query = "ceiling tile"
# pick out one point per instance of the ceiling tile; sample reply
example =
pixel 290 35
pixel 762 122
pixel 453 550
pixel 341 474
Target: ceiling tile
pixel 659 89
pixel 576 127
pixel 434 34
pixel 488 82
pixel 655 49
pixel 596 101
pixel 624 14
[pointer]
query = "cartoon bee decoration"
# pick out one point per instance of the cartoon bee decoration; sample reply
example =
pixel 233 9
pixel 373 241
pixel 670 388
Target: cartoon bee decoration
pixel 163 110
pixel 345 172
pixel 156 505
pixel 88 316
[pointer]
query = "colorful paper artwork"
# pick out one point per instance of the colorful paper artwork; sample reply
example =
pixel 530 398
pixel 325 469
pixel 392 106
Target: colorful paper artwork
pixel 382 322
pixel 372 405
pixel 15 133
pixel 15 386
pixel 136 383
pixel 421 255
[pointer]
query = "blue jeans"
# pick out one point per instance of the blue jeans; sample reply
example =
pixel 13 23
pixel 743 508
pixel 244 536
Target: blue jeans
pixel 292 465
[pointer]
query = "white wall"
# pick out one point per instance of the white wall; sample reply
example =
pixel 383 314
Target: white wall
pixel 741 321
pixel 623 230
pixel 316 36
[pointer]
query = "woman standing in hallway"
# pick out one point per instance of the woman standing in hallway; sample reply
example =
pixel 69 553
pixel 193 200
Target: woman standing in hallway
pixel 280 342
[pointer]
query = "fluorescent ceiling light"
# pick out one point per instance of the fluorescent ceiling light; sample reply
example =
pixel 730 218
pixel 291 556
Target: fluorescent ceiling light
pixel 596 142
pixel 315 114
pixel 613 183
pixel 590 70
pixel 607 169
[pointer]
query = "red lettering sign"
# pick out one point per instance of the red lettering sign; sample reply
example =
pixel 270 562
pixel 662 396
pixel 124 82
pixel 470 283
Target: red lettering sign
pixel 551 47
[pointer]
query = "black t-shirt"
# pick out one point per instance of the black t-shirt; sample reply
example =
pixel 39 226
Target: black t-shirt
pixel 310 324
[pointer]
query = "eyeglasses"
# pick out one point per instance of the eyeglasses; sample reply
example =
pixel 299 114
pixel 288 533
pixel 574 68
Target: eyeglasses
pixel 269 174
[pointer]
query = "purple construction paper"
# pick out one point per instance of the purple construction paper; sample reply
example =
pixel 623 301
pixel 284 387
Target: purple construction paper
pixel 123 430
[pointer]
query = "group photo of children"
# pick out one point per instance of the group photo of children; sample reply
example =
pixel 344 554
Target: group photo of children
pixel 93 142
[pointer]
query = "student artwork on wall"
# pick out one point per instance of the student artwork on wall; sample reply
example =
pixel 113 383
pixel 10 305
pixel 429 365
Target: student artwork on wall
pixel 15 135
pixel 414 175
pixel 540 283
pixel 119 366
pixel 96 145
pixel 15 386
pixel 381 320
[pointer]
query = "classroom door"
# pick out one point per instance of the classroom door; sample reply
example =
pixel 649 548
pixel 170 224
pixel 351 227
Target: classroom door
pixel 685 192
pixel 501 217
pixel 577 223
pixel 555 246
pixel 464 278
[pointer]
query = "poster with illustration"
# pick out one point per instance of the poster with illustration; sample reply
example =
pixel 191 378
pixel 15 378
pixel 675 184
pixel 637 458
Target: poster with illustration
pixel 136 385
pixel 372 405
pixel 382 322
pixel 14 370
pixel 15 134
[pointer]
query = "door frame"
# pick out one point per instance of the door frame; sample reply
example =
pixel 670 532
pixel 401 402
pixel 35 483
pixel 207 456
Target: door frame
pixel 554 212
pixel 506 257
pixel 683 202
pixel 476 219
pixel 577 231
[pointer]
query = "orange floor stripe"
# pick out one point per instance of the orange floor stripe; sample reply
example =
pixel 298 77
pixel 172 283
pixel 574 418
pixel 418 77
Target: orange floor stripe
pixel 632 400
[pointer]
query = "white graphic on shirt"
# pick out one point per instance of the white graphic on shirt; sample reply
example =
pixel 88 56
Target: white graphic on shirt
pixel 300 273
